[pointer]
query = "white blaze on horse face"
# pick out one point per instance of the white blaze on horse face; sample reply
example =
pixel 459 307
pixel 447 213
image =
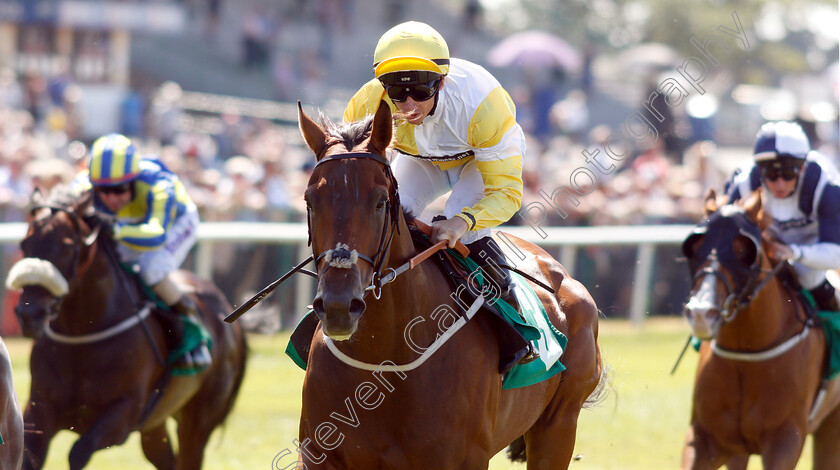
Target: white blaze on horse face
pixel 702 309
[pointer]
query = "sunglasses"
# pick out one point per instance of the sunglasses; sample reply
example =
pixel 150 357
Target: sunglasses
pixel 118 189
pixel 772 174
pixel 421 92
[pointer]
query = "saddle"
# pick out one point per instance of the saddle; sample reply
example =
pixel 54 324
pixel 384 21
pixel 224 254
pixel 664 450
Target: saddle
pixel 193 331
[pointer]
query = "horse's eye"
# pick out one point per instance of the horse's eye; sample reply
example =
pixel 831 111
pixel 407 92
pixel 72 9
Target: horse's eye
pixel 381 204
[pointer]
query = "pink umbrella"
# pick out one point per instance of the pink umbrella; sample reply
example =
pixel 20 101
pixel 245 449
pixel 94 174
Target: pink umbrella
pixel 537 49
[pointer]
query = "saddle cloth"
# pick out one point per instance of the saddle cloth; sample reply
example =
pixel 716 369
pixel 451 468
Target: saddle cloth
pixel 549 341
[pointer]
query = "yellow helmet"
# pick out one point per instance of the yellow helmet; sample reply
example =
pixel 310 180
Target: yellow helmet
pixel 411 46
pixel 113 161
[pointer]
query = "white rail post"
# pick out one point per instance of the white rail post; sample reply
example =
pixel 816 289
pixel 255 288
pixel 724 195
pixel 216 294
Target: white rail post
pixel 568 258
pixel 204 259
pixel 641 281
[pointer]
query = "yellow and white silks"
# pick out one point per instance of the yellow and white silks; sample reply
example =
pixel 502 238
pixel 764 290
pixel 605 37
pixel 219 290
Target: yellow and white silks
pixel 471 144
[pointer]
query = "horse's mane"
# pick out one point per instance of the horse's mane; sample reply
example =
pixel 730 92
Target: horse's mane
pixel 349 134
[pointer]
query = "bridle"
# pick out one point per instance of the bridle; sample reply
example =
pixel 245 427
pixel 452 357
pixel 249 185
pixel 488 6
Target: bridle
pixel 81 265
pixel 345 257
pixel 737 300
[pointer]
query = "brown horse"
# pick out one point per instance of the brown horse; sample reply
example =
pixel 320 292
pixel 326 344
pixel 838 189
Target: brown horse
pixel 370 399
pixel 11 422
pixel 98 362
pixel 758 384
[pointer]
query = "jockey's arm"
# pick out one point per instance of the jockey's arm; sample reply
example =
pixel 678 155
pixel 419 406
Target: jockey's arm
pixel 150 232
pixel 825 254
pixel 499 146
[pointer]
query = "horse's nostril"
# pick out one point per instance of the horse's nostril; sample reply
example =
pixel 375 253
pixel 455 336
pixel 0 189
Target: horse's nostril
pixel 357 307
pixel 318 305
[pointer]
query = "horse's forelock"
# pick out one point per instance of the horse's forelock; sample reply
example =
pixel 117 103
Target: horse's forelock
pixel 64 196
pixel 348 134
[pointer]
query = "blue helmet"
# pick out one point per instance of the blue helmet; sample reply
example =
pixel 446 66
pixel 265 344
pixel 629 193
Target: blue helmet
pixel 781 140
pixel 113 161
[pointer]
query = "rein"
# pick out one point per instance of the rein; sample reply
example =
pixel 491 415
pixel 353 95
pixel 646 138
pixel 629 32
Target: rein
pixel 764 355
pixel 100 335
pixel 427 353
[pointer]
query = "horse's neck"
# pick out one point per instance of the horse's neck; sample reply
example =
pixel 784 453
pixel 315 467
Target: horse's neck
pixel 97 299
pixel 769 319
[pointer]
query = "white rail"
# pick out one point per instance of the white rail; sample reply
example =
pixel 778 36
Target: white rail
pixel 645 238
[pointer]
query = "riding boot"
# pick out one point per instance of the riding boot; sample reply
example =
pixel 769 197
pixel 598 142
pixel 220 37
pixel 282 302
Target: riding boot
pixel 826 297
pixel 489 256
pixel 199 357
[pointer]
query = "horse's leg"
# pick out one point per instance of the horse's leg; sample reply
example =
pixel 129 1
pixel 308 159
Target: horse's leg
pixel 782 450
pixel 699 452
pixel 157 447
pixel 112 428
pixel 39 429
pixel 214 400
pixel 738 462
pixel 550 443
pixel 199 418
pixel 552 447
pixel 827 442
pixel 193 434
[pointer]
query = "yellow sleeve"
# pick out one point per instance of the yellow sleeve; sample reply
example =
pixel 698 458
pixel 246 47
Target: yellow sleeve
pixel 366 101
pixel 499 147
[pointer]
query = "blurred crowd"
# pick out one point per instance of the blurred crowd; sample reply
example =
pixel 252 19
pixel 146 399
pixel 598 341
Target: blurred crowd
pixel 238 167
pixel 251 169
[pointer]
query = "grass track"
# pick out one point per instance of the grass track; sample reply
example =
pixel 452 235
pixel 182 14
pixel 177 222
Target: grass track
pixel 640 425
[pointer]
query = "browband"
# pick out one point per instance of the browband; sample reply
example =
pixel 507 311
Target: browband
pixel 341 156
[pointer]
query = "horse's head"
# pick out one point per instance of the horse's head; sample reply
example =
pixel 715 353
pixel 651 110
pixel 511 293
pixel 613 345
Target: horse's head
pixel 724 258
pixel 56 247
pixel 352 208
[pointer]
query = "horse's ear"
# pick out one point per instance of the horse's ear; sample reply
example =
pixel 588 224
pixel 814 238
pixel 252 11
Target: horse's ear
pixel 84 206
pixel 710 204
pixel 754 207
pixel 37 198
pixel 314 136
pixel 382 130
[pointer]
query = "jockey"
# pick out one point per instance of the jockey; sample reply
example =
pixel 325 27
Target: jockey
pixel 155 223
pixel 802 195
pixel 455 130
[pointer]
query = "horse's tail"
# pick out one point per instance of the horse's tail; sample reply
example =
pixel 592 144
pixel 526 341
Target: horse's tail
pixel 516 450
pixel 600 393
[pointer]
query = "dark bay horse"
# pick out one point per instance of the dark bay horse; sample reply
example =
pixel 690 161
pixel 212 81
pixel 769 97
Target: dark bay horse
pixel 758 384
pixel 11 422
pixel 371 398
pixel 98 360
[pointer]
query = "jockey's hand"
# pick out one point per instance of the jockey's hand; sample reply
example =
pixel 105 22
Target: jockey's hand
pixel 450 230
pixel 780 252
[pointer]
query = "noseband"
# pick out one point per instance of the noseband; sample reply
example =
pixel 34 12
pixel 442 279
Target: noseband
pixel 343 256
pixel 737 299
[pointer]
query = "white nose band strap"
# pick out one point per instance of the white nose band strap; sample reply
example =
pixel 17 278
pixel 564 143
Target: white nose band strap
pixel 39 272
